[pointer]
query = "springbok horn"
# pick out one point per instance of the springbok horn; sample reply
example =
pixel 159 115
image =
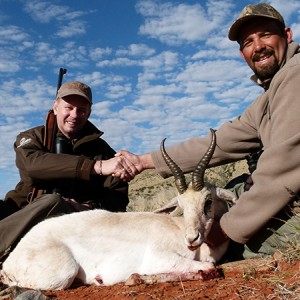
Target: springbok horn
pixel 198 174
pixel 174 168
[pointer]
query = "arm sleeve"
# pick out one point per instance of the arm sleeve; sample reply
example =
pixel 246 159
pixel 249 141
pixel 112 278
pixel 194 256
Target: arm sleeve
pixel 235 140
pixel 37 164
pixel 276 178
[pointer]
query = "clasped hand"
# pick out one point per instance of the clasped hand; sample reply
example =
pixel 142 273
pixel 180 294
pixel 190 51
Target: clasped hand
pixel 124 165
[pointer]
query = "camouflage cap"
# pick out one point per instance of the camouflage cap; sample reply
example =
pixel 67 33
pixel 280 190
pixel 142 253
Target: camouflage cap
pixel 75 88
pixel 253 11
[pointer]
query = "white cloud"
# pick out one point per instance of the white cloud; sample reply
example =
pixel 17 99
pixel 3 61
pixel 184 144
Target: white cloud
pixel 102 109
pixel 161 89
pixel 8 64
pixel 118 91
pixel 213 70
pixel 177 23
pixel 25 97
pixel 286 9
pixel 97 53
pixel 74 28
pixel 62 16
pixel 45 11
pixel 136 50
pixel 44 51
pixel 12 34
pixel 9 129
pixel 164 61
pixel 296 31
pixel 121 61
pixel 94 79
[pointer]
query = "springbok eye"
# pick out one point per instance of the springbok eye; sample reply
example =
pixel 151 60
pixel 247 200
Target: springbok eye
pixel 207 207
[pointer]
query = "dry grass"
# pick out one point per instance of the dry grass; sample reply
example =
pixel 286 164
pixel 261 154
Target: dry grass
pixel 149 191
pixel 292 249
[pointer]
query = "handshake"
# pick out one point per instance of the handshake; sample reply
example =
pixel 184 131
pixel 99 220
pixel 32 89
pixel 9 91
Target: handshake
pixel 124 165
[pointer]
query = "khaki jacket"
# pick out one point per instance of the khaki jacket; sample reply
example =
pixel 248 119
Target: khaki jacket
pixel 68 172
pixel 272 121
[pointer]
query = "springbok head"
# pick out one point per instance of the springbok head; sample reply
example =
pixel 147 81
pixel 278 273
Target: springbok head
pixel 201 202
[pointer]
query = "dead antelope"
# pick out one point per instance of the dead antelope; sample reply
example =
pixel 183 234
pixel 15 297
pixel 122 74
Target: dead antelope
pixel 104 248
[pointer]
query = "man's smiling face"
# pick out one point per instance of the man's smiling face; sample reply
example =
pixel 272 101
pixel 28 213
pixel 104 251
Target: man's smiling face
pixel 71 112
pixel 263 45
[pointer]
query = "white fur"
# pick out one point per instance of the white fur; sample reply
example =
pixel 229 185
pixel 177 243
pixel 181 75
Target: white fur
pixel 100 247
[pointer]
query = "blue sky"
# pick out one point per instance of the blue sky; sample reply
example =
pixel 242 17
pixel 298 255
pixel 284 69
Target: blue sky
pixel 157 68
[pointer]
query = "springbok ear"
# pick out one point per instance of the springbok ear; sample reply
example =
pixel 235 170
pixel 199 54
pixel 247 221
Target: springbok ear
pixel 226 195
pixel 169 207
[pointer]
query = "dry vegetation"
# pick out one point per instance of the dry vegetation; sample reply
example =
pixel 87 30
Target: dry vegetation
pixel 149 191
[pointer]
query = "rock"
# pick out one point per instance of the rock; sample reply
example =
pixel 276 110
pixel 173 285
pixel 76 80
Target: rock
pixel 31 295
pixel 18 293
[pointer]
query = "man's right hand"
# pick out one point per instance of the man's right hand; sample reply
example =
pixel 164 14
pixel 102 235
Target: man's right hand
pixel 116 166
pixel 137 163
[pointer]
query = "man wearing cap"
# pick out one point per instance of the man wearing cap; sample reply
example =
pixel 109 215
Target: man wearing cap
pixel 77 177
pixel 266 215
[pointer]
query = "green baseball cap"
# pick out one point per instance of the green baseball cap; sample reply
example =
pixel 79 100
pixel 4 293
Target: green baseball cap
pixel 253 11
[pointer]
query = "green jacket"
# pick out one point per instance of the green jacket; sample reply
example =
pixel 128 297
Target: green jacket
pixel 71 172
pixel 272 121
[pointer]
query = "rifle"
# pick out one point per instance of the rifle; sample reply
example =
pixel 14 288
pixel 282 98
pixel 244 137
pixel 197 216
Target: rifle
pixel 50 132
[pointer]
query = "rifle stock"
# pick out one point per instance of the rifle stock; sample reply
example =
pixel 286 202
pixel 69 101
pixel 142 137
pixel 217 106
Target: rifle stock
pixel 50 131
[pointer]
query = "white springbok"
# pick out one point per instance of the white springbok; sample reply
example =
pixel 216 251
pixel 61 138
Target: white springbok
pixel 105 248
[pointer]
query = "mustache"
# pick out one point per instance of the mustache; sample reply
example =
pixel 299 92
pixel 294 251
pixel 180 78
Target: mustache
pixel 264 52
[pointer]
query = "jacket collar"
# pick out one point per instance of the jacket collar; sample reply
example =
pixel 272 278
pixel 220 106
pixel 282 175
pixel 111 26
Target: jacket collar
pixel 88 133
